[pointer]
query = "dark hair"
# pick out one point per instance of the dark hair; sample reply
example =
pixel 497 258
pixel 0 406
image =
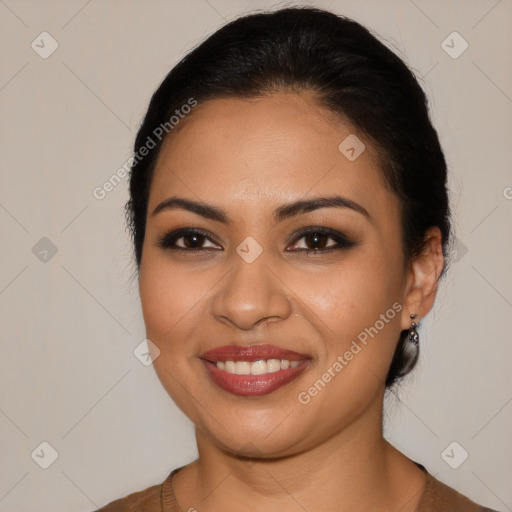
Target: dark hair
pixel 351 73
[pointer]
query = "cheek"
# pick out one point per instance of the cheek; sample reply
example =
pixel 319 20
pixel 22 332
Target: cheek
pixel 356 309
pixel 169 297
pixel 170 300
pixel 158 305
pixel 348 296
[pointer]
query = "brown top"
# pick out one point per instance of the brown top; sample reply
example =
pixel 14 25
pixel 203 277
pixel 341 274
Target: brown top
pixel 436 497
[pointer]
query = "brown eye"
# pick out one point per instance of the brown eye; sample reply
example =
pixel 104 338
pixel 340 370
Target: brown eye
pixel 187 240
pixel 316 240
pixel 193 241
pixel 321 239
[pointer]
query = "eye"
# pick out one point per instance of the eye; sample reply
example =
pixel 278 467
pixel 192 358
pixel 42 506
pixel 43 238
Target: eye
pixel 314 240
pixel 320 239
pixel 190 240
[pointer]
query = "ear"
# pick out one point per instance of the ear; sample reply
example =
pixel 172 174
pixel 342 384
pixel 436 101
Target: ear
pixel 422 278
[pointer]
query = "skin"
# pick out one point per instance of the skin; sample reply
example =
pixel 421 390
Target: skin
pixel 248 157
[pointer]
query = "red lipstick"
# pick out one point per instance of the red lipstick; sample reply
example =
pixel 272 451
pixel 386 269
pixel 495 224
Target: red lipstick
pixel 250 353
pixel 249 384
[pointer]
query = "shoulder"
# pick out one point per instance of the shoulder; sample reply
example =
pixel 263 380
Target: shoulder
pixel 439 497
pixel 157 498
pixel 148 500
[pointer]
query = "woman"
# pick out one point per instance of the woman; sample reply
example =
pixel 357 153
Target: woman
pixel 290 220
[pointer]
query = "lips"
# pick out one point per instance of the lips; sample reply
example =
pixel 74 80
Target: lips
pixel 253 385
pixel 250 353
pixel 246 384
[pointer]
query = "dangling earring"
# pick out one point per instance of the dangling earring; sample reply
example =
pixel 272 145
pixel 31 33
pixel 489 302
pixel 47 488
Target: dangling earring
pixel 413 335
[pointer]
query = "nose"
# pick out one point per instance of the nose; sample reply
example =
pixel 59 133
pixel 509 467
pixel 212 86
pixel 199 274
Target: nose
pixel 252 293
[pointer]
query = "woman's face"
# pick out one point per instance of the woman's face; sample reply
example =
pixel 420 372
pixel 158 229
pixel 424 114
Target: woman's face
pixel 248 281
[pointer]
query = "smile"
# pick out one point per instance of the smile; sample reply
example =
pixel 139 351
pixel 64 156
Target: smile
pixel 256 378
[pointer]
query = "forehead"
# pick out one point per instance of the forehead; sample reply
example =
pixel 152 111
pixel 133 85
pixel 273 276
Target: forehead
pixel 277 147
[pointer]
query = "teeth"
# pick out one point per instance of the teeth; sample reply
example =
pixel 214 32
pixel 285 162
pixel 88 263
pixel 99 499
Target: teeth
pixel 259 367
pixel 242 368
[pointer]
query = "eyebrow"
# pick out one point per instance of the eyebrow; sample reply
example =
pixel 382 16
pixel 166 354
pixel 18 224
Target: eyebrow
pixel 281 213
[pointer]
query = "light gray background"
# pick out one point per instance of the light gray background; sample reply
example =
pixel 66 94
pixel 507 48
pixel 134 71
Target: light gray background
pixel 70 324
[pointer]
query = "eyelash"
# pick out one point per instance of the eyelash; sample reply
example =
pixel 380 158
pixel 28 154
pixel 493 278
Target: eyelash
pixel 168 241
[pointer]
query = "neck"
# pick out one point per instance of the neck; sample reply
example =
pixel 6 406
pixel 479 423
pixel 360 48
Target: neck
pixel 353 470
